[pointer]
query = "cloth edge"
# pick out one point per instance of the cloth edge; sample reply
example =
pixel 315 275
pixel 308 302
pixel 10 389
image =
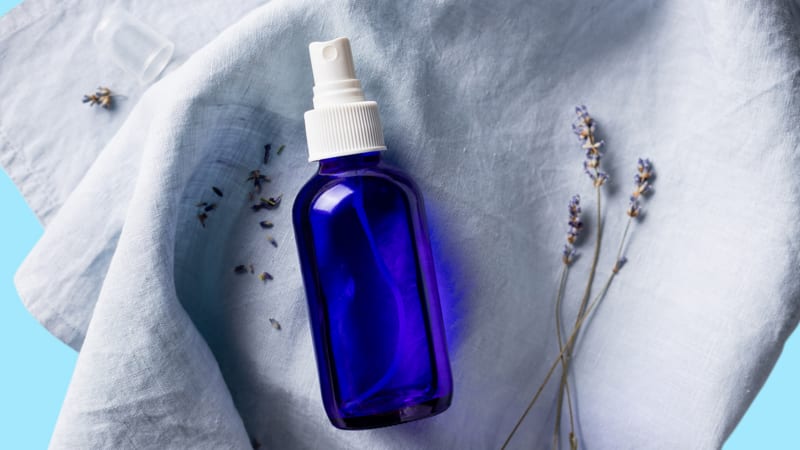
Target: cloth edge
pixel 27 181
pixel 50 319
pixel 12 160
pixel 27 12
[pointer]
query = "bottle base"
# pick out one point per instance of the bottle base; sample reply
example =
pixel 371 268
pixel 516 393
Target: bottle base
pixel 402 415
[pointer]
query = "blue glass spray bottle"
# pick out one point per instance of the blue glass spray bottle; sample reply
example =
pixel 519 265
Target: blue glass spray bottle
pixel 365 255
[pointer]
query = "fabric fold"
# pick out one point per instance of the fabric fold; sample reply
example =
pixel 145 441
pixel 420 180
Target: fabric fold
pixel 177 350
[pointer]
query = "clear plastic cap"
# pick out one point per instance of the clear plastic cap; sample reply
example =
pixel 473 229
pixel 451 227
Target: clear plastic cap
pixel 133 45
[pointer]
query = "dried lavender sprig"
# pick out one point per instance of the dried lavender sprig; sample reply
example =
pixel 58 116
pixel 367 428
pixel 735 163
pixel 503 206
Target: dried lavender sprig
pixel 581 319
pixel 564 366
pixel 568 256
pixel 642 186
pixel 584 128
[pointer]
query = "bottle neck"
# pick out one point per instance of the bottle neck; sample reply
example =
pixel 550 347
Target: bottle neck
pixel 350 162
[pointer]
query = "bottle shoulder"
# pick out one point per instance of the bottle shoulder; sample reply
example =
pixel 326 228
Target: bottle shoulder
pixel 383 178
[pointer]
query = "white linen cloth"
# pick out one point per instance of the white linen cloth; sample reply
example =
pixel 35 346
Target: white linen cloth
pixel 177 351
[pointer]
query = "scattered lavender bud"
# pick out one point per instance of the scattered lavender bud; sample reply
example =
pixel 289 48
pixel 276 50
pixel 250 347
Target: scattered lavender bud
pixel 267 203
pixel 265 276
pixel 275 324
pixel 103 97
pixel 272 241
pixel 257 178
pixel 266 152
pixel 217 191
pixel 202 218
pixel 91 99
pixel 210 207
pixel 265 224
pixel 272 202
pixel 280 149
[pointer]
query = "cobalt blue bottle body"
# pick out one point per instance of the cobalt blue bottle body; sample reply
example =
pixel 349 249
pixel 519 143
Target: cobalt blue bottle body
pixel 372 294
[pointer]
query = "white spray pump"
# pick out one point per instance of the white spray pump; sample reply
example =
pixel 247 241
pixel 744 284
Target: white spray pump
pixel 342 121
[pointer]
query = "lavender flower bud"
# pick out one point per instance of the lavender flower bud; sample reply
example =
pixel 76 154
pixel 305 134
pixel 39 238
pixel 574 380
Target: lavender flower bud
pixel 568 254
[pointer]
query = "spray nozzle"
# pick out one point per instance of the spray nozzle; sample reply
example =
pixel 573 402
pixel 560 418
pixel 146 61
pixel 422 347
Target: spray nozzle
pixel 335 79
pixel 342 122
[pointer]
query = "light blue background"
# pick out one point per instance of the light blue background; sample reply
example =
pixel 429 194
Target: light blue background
pixel 37 367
